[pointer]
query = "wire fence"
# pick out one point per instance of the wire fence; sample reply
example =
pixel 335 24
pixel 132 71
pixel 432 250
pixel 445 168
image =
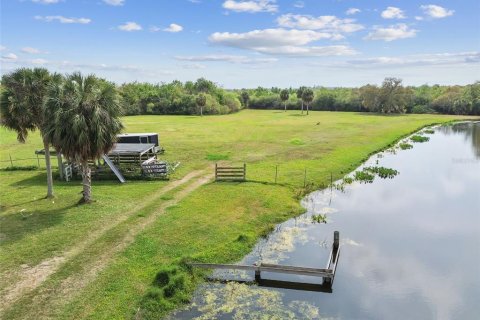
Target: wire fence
pixel 282 174
pixel 22 162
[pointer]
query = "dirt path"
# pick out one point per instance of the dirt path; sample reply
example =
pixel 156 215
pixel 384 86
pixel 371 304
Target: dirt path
pixel 30 278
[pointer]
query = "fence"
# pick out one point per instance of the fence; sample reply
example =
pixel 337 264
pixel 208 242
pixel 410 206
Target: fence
pixel 230 173
pixel 290 174
pixel 20 162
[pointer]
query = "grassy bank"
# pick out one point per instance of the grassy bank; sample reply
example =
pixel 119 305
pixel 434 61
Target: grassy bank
pixel 103 260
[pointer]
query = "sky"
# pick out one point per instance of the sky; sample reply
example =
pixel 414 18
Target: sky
pixel 245 44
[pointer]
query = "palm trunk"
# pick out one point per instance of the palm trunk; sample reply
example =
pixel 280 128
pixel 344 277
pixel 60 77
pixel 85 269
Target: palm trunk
pixel 307 109
pixel 285 107
pixel 201 111
pixel 302 106
pixel 48 166
pixel 60 164
pixel 86 182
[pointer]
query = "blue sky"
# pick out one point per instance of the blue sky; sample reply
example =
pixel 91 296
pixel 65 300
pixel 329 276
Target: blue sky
pixel 250 43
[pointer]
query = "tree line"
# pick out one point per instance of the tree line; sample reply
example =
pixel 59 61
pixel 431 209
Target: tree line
pixel 390 97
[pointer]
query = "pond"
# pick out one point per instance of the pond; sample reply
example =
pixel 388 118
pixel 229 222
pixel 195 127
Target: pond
pixel 410 246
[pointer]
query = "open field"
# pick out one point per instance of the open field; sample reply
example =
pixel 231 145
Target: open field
pixel 99 261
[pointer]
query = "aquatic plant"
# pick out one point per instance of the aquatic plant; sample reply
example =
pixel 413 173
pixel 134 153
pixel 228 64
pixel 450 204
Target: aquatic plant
pixel 364 177
pixel 429 131
pixel 405 146
pixel 319 218
pixel 382 172
pixel 419 139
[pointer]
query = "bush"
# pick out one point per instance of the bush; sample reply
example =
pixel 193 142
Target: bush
pixel 421 109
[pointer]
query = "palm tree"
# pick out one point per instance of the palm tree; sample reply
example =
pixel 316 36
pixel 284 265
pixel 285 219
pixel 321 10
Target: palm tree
pixel 300 95
pixel 84 113
pixel 201 100
pixel 22 107
pixel 308 96
pixel 284 95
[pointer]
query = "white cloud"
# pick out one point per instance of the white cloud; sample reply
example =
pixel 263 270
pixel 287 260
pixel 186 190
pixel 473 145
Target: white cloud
pixel 9 57
pixel 352 11
pixel 30 50
pixel 154 29
pixel 299 4
pixel 267 38
pixel 281 42
pixel 115 3
pixel 226 58
pixel 395 32
pixel 173 27
pixel 195 66
pixel 417 60
pixel 39 61
pixel 436 12
pixel 326 23
pixel 46 1
pixel 418 18
pixel 63 19
pixel 3 48
pixel 393 13
pixel 130 26
pixel 252 6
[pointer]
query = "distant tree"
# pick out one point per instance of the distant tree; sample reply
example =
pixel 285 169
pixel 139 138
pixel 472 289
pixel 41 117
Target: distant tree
pixel 393 96
pixel 284 95
pixel 84 121
pixel 369 97
pixel 201 100
pixel 245 98
pixel 300 95
pixel 22 107
pixel 205 86
pixel 308 96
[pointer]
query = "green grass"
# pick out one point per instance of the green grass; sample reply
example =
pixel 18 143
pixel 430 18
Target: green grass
pixel 215 223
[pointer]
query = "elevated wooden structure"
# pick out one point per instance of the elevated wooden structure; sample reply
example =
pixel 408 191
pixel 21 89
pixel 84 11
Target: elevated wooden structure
pixel 327 274
pixel 224 173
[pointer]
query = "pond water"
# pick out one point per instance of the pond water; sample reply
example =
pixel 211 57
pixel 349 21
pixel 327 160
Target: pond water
pixel 410 246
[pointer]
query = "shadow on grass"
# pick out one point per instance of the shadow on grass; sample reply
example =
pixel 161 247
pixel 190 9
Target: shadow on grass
pixel 17 225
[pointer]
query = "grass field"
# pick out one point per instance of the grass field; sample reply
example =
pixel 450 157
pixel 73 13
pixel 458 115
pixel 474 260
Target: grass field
pixel 122 256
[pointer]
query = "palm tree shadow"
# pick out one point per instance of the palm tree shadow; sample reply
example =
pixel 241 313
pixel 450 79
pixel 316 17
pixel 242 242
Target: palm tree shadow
pixel 33 180
pixel 17 225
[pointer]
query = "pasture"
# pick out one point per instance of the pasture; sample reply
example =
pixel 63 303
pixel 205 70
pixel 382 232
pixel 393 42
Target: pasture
pixel 104 260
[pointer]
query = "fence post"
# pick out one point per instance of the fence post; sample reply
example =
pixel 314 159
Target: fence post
pixel 38 161
pixel 11 162
pixel 305 178
pixel 276 173
pixel 331 181
pixel 216 171
pixel 244 171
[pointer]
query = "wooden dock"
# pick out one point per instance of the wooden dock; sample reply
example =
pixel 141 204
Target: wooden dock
pixel 327 274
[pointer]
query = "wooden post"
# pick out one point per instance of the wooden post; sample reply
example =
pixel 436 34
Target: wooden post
pixel 244 171
pixel 305 178
pixel 336 244
pixel 216 165
pixel 276 173
pixel 257 275
pixel 38 161
pixel 331 181
pixel 11 161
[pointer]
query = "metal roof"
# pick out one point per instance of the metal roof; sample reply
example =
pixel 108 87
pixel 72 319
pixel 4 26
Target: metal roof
pixel 143 134
pixel 137 148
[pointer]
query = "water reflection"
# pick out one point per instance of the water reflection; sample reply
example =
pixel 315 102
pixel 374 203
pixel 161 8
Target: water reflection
pixel 410 246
